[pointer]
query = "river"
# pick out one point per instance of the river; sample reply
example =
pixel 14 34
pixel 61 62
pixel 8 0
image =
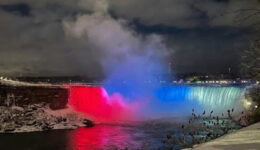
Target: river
pixel 105 137
pixel 148 136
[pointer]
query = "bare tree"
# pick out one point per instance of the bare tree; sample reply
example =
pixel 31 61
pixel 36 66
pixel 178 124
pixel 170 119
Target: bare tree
pixel 250 58
pixel 250 61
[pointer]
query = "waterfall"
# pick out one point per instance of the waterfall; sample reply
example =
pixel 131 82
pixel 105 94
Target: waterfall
pixel 179 100
pixel 217 98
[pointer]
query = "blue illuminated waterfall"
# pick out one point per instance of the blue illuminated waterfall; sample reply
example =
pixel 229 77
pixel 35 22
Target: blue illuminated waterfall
pixel 172 99
pixel 217 98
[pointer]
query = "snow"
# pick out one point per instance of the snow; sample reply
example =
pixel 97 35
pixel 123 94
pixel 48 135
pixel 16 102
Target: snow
pixel 38 117
pixel 246 138
pixel 10 82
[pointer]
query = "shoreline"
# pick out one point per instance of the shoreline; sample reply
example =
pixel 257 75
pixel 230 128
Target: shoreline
pixel 189 133
pixel 244 138
pixel 200 131
pixel 39 117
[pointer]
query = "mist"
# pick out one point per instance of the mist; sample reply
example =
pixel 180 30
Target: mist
pixel 129 60
pixel 133 64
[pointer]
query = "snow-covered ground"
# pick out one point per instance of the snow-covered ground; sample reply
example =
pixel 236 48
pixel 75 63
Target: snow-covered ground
pixel 247 138
pixel 10 82
pixel 39 117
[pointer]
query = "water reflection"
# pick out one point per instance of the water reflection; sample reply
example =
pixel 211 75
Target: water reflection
pixel 105 137
pixel 99 137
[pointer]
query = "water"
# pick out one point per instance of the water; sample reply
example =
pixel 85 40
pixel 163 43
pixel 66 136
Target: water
pixel 217 98
pixel 146 136
pixel 105 137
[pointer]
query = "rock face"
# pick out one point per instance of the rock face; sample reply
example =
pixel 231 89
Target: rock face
pixel 26 107
pixel 22 96
pixel 39 117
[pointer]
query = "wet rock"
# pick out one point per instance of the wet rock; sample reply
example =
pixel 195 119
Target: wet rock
pixel 18 126
pixel 58 120
pixel 33 108
pixel 88 123
pixel 75 126
pixel 6 118
pixel 28 110
pixel 16 108
pixel 9 128
pixel 28 114
pixel 31 123
pixel 46 126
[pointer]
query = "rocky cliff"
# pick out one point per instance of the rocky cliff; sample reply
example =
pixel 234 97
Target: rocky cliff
pixel 56 97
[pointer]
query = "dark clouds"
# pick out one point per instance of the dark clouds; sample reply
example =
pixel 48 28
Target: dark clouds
pixel 203 35
pixel 20 8
pixel 182 13
pixel 220 50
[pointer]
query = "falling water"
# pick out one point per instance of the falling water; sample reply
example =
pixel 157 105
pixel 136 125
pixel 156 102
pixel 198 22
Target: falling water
pixel 217 98
pixel 163 101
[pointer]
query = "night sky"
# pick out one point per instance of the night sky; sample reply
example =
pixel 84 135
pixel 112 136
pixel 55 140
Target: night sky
pixel 45 38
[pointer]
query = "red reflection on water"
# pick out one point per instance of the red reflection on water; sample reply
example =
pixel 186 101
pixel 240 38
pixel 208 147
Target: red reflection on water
pixel 98 105
pixel 101 137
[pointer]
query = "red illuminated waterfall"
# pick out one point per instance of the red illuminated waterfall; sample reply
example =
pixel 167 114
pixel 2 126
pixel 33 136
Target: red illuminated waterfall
pixel 95 103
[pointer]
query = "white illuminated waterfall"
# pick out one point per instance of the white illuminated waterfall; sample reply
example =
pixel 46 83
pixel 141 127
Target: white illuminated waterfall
pixel 217 98
pixel 183 98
